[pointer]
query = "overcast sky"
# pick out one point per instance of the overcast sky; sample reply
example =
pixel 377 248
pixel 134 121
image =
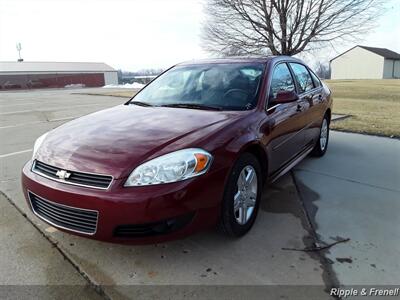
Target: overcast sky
pixel 128 34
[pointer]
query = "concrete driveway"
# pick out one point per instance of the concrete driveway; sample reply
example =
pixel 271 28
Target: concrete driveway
pixel 353 192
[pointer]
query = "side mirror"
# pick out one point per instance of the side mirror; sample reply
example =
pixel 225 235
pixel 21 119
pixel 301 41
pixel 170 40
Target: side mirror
pixel 285 97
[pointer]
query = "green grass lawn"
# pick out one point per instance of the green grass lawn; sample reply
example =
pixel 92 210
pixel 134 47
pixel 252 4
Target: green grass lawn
pixel 374 105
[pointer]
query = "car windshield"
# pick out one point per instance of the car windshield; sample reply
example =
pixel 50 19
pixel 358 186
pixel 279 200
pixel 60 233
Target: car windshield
pixel 212 86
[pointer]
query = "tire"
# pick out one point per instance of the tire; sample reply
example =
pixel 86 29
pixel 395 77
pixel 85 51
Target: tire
pixel 234 222
pixel 322 143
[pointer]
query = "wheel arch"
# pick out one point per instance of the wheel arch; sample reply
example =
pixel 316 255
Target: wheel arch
pixel 258 151
pixel 329 114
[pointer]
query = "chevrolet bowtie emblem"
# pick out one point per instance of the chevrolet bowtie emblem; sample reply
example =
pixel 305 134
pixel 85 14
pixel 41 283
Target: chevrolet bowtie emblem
pixel 62 174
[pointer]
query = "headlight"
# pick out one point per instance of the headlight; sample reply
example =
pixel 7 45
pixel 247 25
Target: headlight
pixel 38 143
pixel 172 167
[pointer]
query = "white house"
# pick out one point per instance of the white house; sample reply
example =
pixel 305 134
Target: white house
pixel 361 62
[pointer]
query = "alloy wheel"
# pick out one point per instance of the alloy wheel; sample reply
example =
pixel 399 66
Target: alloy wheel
pixel 323 138
pixel 246 195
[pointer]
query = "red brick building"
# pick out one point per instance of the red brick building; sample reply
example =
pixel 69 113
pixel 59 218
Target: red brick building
pixel 30 75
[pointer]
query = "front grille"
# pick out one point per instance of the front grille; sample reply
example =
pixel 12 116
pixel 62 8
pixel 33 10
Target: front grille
pixel 66 217
pixel 75 178
pixel 150 229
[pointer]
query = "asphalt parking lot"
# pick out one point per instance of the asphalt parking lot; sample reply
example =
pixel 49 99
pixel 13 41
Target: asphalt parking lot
pixel 351 193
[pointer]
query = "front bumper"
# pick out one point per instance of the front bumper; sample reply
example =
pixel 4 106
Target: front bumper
pixel 158 213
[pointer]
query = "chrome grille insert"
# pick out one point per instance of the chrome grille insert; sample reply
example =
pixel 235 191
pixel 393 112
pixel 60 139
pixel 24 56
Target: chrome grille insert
pixel 66 217
pixel 96 181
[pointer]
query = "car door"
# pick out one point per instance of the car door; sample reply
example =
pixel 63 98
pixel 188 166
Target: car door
pixel 317 108
pixel 306 103
pixel 285 124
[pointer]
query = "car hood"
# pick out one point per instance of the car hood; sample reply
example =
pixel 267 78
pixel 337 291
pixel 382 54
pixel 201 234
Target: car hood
pixel 115 140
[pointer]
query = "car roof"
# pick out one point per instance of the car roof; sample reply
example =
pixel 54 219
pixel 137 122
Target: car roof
pixel 239 59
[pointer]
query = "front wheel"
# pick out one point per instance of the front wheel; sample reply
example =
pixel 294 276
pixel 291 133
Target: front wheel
pixel 322 143
pixel 242 196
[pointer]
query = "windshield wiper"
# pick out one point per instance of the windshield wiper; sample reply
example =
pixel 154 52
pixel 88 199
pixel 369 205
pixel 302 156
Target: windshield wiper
pixel 140 103
pixel 192 105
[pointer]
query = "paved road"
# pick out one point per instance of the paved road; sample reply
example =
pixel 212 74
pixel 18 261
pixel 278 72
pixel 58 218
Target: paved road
pixel 337 191
pixel 29 259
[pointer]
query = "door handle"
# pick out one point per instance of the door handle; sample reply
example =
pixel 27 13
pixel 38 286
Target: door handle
pixel 308 98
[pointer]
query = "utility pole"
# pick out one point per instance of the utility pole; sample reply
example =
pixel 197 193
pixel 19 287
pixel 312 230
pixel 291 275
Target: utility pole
pixel 19 47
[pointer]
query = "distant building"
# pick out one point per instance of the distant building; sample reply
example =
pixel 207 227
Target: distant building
pixel 29 75
pixel 144 79
pixel 362 62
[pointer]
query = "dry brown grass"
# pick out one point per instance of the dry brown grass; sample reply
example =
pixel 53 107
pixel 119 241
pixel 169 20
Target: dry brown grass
pixel 374 105
pixel 115 93
pixel 124 94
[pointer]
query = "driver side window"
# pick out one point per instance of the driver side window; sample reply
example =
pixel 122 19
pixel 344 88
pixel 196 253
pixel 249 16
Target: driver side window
pixel 282 80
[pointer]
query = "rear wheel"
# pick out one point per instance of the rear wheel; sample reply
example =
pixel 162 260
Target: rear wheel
pixel 242 196
pixel 322 144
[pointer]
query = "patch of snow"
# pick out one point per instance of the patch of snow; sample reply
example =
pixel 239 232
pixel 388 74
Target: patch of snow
pixel 75 85
pixel 134 85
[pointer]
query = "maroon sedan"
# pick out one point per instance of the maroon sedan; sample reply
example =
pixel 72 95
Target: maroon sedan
pixel 190 151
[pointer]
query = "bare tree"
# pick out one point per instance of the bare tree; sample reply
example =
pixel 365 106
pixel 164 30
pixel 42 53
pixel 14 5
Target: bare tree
pixel 238 27
pixel 323 70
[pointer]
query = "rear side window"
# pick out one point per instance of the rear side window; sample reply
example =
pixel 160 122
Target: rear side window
pixel 315 78
pixel 303 77
pixel 281 80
